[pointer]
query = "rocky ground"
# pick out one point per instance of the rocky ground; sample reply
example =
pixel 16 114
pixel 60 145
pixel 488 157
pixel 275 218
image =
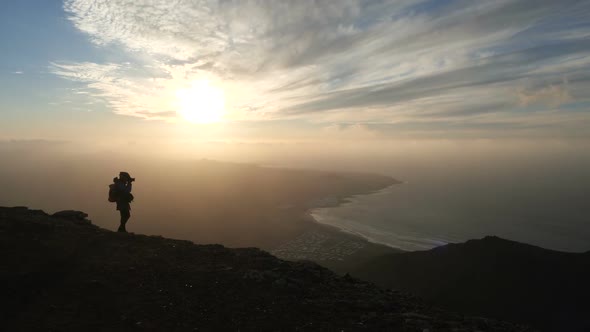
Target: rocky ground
pixel 65 274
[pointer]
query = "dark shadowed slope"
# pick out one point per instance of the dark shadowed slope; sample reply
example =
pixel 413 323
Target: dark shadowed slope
pixel 64 275
pixel 497 278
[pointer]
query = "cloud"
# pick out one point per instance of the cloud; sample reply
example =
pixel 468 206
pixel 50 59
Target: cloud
pixel 18 72
pixel 127 90
pixel 349 61
pixel 553 95
pixel 354 131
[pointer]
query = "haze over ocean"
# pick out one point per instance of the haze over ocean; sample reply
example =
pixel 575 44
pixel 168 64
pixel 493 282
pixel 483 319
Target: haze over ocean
pixel 524 198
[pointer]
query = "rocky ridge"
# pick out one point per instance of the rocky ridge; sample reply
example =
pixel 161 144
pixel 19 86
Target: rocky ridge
pixel 493 277
pixel 61 273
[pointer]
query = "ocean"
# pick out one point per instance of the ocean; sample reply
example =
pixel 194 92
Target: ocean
pixel 547 205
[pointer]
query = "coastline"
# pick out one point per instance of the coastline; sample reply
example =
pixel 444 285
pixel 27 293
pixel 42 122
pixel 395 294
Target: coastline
pixel 336 200
pixel 353 233
pixel 341 200
pixel 369 233
pixel 333 247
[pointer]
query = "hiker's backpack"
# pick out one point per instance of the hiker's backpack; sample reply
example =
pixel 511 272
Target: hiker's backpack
pixel 113 193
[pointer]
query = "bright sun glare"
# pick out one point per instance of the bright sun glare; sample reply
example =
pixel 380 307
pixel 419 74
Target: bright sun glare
pixel 201 103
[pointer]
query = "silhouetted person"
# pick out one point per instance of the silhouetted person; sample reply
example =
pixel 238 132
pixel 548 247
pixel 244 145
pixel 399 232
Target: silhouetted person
pixel 124 197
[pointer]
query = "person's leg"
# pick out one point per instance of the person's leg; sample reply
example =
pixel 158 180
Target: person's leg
pixel 125 215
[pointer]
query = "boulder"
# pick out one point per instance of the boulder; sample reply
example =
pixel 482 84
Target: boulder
pixel 77 216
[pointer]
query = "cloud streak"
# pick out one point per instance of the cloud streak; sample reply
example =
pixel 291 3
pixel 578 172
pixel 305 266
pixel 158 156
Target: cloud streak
pixel 453 64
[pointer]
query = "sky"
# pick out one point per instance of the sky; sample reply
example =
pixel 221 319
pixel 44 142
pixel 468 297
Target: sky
pixel 268 71
pixel 485 101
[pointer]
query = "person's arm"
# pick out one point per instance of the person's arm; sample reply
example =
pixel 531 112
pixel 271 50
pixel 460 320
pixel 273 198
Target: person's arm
pixel 124 187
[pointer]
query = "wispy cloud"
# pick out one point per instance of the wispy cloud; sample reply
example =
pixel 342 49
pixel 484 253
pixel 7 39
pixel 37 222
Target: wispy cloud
pixel 447 65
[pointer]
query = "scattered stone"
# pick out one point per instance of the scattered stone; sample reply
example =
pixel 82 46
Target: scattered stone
pixel 70 214
pixel 76 216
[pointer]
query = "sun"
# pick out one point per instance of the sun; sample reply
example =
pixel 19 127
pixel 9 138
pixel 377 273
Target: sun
pixel 201 103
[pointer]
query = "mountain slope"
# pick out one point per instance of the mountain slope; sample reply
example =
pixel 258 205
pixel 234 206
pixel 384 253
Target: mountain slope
pixel 68 275
pixel 494 277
